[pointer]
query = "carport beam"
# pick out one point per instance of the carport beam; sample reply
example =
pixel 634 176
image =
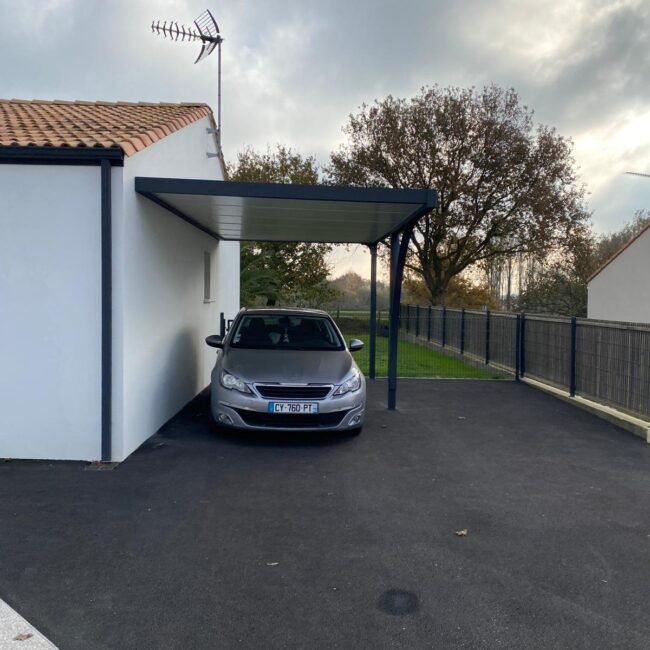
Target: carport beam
pixel 372 352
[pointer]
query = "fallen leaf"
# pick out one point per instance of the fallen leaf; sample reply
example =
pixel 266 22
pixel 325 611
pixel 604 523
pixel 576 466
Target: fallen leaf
pixel 272 563
pixel 23 637
pixel 461 533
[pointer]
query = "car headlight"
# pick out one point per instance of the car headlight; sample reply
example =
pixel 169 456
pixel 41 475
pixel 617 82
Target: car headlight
pixel 233 383
pixel 349 386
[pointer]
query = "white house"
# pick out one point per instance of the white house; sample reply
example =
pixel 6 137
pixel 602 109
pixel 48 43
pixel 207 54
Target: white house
pixel 620 289
pixel 105 297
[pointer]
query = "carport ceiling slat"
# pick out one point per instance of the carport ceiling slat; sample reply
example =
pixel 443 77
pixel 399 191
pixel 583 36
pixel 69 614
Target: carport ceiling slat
pixel 270 212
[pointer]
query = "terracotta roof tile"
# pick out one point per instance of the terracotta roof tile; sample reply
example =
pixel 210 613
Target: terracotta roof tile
pixel 61 123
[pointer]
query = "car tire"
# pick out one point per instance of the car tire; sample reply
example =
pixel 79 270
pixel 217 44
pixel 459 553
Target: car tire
pixel 353 433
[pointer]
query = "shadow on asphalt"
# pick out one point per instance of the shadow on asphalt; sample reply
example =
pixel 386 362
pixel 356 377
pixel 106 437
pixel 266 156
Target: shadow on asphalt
pixel 280 438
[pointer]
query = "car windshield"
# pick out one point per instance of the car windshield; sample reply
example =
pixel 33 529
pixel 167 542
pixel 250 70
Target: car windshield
pixel 283 332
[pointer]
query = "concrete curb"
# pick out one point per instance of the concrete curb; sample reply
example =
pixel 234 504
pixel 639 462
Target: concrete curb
pixel 638 427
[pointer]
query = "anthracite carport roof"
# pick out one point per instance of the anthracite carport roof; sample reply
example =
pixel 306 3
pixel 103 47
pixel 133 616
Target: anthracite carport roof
pixel 235 211
pixel 298 213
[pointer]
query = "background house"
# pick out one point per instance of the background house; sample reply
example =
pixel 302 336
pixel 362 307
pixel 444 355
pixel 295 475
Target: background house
pixel 105 297
pixel 620 289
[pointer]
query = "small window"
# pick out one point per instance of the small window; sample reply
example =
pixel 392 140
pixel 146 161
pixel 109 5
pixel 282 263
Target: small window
pixel 207 268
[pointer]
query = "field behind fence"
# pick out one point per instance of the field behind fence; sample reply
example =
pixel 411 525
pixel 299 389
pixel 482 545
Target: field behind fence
pixel 605 361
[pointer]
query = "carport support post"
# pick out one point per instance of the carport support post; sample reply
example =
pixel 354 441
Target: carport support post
pixel 372 352
pixel 398 248
pixel 393 323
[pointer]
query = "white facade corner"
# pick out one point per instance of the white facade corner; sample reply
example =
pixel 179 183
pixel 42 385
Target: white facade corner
pixel 51 300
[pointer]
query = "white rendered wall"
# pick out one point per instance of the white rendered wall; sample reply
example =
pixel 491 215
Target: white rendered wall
pixel 50 312
pixel 160 317
pixel 621 291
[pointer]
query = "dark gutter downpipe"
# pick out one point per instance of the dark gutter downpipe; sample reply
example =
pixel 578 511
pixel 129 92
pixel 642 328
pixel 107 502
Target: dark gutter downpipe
pixel 107 309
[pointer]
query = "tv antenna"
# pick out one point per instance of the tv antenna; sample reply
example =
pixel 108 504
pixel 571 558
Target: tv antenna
pixel 205 30
pixel 638 174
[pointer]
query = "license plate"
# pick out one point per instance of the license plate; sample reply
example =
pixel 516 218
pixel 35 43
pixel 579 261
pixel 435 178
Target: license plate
pixel 293 407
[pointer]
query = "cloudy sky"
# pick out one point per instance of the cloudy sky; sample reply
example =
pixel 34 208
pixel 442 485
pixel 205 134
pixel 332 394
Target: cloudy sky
pixel 294 69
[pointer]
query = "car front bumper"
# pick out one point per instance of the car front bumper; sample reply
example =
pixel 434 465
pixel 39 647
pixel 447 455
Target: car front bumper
pixel 237 410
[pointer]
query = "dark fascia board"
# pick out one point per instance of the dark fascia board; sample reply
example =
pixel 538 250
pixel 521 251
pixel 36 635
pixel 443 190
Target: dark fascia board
pixel 152 185
pixel 61 155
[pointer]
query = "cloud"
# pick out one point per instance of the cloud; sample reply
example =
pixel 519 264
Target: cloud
pixel 294 69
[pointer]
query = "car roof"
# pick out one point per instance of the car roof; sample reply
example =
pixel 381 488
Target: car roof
pixel 280 311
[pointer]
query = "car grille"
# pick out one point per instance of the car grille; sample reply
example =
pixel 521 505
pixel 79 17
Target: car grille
pixel 277 391
pixel 290 420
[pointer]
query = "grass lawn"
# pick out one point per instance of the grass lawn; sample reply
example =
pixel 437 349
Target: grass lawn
pixel 417 361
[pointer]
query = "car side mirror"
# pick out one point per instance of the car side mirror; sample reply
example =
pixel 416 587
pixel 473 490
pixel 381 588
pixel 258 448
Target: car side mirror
pixel 356 345
pixel 215 341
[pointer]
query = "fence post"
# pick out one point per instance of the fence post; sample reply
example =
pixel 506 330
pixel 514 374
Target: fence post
pixel 518 348
pixel 408 318
pixel 462 331
pixel 417 320
pixel 222 324
pixel 487 337
pixel 572 375
pixel 522 344
pixel 429 324
pixel 444 326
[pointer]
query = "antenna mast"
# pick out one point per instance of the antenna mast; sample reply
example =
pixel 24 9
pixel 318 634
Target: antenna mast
pixel 206 30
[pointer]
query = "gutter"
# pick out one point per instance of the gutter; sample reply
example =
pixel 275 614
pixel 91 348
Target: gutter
pixel 32 155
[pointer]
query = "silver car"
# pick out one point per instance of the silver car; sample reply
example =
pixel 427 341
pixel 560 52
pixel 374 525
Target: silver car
pixel 280 369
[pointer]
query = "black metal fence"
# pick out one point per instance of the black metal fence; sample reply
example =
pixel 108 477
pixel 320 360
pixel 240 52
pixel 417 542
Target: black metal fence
pixel 605 361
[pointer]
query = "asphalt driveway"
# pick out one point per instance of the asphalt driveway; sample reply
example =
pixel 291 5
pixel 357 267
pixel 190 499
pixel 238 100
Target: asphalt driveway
pixel 207 541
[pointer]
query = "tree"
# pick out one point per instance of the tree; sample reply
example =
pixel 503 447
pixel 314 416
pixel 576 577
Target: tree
pixel 293 273
pixel 559 284
pixel 504 185
pixel 609 244
pixel 354 292
pixel 461 292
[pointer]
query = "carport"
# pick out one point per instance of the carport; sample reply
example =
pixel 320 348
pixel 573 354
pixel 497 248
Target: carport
pixel 234 211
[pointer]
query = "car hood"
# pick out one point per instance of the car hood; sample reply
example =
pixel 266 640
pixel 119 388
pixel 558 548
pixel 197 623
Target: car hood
pixel 288 366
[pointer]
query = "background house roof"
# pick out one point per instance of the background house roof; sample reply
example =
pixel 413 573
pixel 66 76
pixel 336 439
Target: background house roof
pixel 621 250
pixel 130 126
